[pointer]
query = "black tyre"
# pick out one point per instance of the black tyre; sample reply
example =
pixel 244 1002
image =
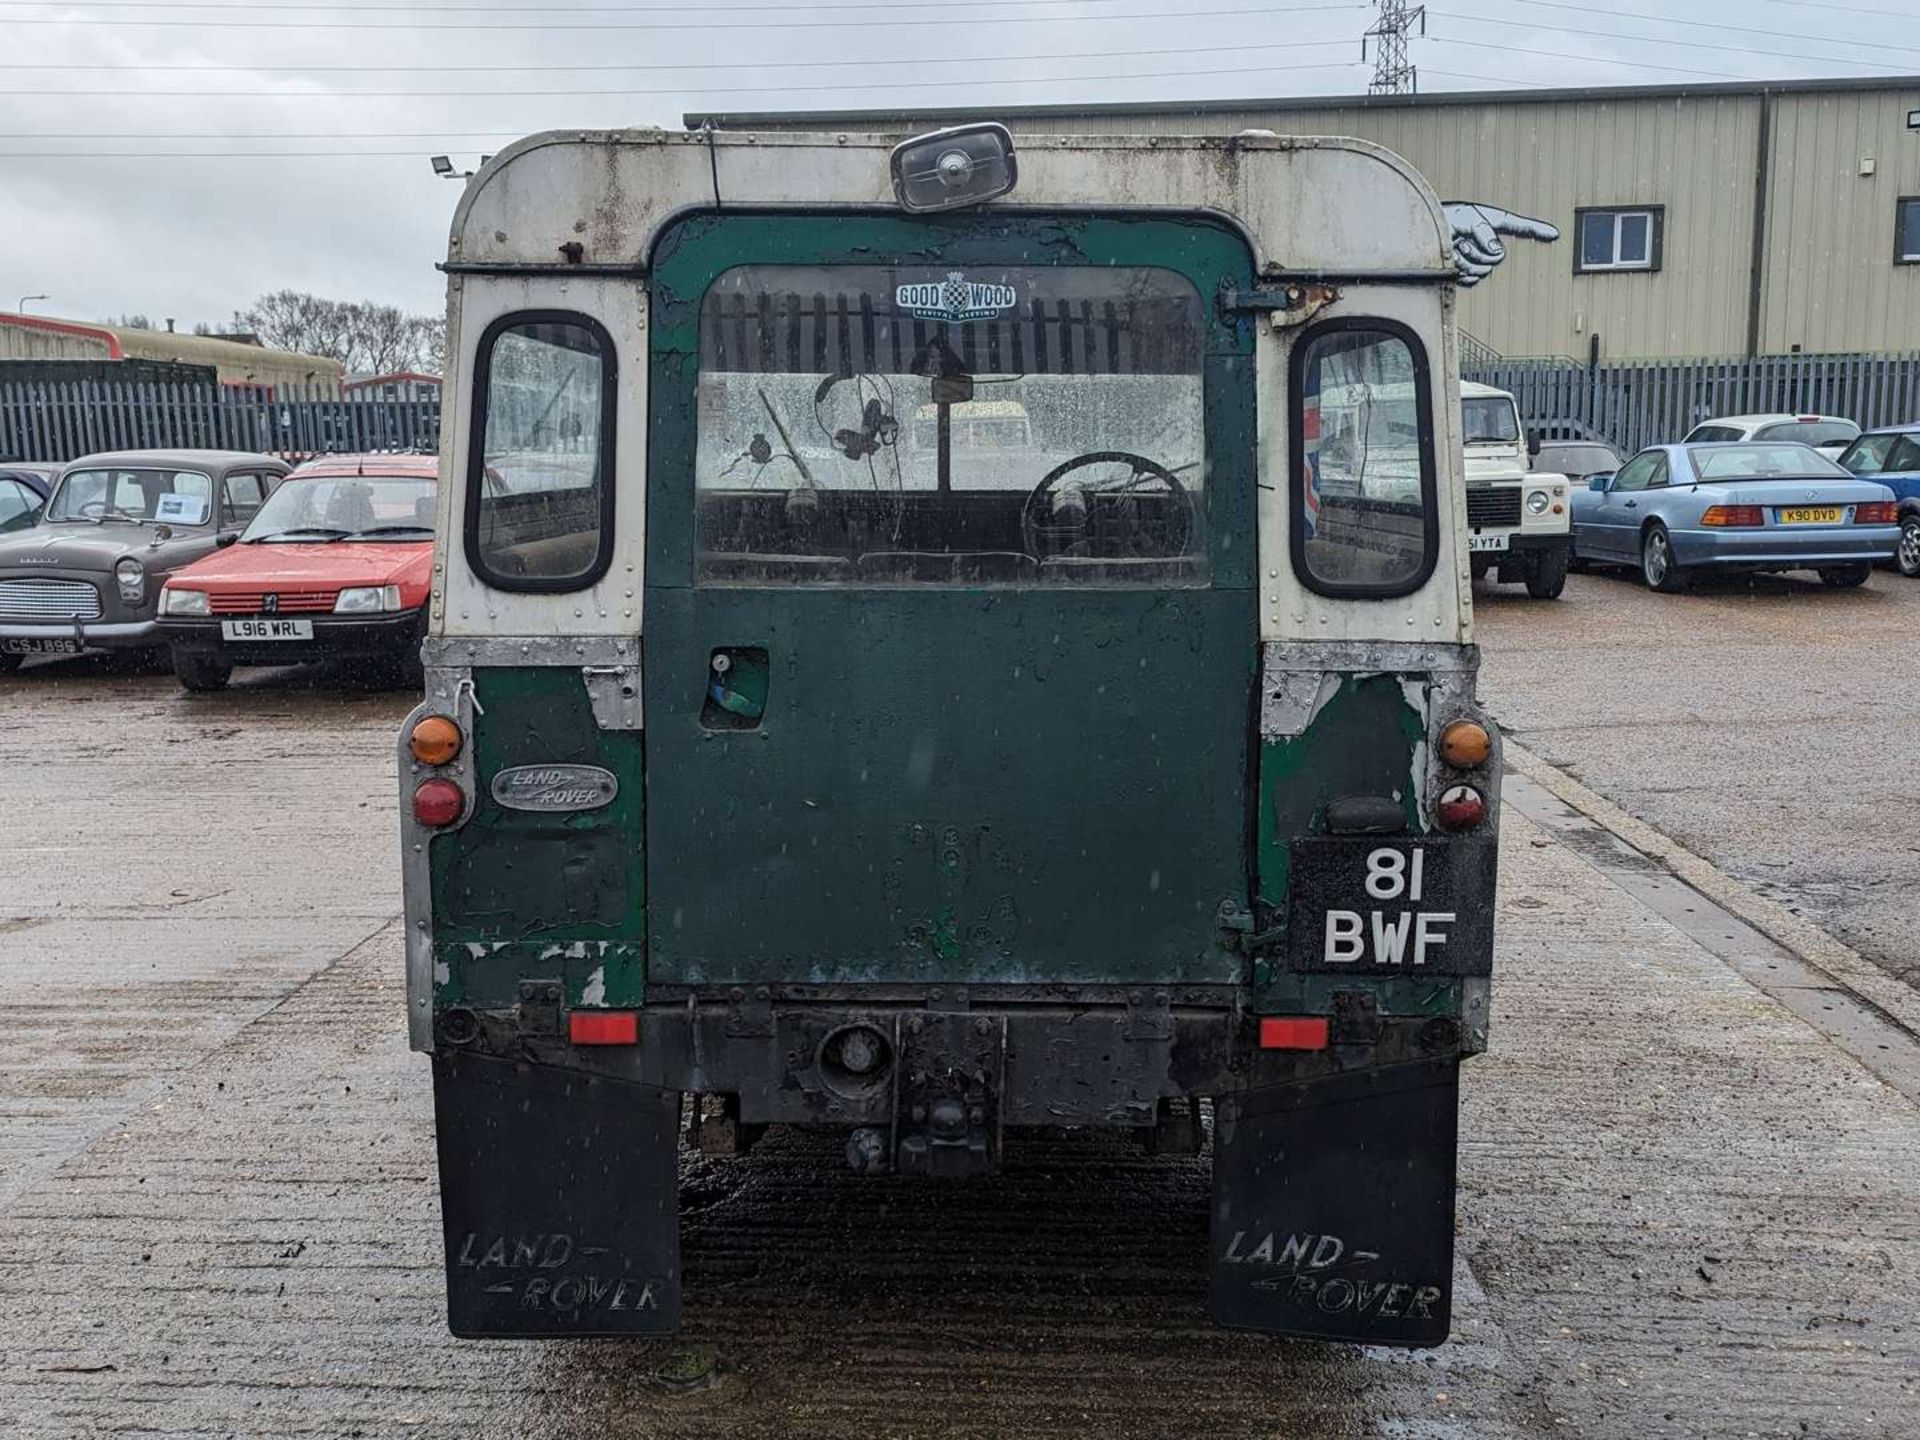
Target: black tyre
pixel 1547 574
pixel 1657 565
pixel 1845 577
pixel 198 670
pixel 1907 557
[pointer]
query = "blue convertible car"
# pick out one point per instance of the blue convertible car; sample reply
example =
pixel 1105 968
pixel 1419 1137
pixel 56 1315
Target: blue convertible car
pixel 1675 511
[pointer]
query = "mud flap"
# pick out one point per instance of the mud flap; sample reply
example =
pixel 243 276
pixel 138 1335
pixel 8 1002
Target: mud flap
pixel 559 1194
pixel 1333 1206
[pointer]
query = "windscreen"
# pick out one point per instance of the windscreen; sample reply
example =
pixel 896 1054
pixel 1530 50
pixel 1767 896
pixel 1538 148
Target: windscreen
pixel 1762 462
pixel 122 495
pixel 347 507
pixel 900 424
pixel 1489 420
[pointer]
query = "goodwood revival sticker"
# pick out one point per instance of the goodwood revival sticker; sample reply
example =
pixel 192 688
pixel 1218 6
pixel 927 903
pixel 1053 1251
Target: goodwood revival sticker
pixel 955 299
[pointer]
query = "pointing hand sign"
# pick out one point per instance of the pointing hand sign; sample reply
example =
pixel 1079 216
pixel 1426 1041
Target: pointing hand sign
pixel 1477 229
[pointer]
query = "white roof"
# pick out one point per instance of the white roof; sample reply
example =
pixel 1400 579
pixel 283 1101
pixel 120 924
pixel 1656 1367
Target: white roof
pixel 1474 390
pixel 1751 422
pixel 1308 203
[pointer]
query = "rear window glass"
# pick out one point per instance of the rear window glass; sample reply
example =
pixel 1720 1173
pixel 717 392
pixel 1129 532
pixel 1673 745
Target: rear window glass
pixel 1810 432
pixel 539 515
pixel 1363 507
pixel 877 425
pixel 1761 462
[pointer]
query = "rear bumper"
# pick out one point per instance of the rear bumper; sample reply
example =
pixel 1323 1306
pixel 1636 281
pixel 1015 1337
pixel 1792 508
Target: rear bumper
pixel 334 637
pixel 1105 1061
pixel 1780 548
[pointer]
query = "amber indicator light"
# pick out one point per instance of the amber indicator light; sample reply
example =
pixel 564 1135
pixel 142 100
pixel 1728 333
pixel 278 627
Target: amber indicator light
pixel 435 740
pixel 1465 745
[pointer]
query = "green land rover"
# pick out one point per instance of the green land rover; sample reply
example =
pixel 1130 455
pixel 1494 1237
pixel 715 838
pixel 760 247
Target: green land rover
pixel 933 641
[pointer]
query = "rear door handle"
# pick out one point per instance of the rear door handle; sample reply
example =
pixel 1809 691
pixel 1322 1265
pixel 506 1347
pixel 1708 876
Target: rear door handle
pixel 1631 504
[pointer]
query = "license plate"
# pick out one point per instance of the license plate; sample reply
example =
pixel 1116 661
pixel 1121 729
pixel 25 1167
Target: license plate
pixel 1383 906
pixel 266 629
pixel 1811 515
pixel 1480 544
pixel 39 647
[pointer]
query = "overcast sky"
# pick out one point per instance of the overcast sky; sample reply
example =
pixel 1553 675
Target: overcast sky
pixel 212 97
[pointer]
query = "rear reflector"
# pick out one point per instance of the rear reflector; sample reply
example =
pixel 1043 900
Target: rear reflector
pixel 603 1027
pixel 1293 1032
pixel 1877 512
pixel 1733 515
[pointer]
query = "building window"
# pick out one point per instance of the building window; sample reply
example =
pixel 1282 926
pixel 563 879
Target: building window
pixel 1628 238
pixel 1906 231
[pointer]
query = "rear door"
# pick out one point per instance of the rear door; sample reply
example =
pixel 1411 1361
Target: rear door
pixel 950 630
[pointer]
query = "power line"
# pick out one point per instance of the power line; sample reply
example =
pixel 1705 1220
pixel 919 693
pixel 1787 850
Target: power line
pixel 947 5
pixel 971 82
pixel 1590 57
pixel 1769 32
pixel 838 64
pixel 841 25
pixel 1664 40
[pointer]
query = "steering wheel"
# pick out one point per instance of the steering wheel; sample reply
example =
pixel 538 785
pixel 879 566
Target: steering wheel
pixel 1044 535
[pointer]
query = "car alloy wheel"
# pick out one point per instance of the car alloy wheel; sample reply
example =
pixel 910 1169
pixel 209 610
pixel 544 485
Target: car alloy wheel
pixel 1908 555
pixel 1657 565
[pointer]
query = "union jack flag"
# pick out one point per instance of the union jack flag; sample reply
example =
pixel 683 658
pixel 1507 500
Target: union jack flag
pixel 1310 451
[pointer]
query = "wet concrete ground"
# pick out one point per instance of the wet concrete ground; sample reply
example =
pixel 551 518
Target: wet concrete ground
pixel 1684 1210
pixel 1770 725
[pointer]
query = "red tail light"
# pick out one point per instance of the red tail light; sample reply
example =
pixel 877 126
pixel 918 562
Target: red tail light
pixel 603 1027
pixel 1734 515
pixel 438 803
pixel 1293 1032
pixel 1461 808
pixel 1877 512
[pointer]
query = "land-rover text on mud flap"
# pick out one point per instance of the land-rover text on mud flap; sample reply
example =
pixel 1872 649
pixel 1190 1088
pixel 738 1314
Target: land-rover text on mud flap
pixel 921 649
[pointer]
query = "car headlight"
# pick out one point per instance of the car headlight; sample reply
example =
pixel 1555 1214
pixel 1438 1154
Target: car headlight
pixel 367 600
pixel 132 577
pixel 1536 502
pixel 183 602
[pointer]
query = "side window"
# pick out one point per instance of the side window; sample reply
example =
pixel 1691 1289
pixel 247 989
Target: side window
pixel 539 483
pixel 1658 479
pixel 1627 238
pixel 1870 454
pixel 19 506
pixel 1365 520
pixel 1906 456
pixel 242 495
pixel 1637 472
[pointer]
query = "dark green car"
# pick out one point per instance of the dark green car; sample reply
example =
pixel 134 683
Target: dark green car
pixel 931 653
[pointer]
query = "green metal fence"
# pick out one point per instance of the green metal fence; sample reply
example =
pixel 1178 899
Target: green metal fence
pixel 1633 403
pixel 61 420
pixel 1630 403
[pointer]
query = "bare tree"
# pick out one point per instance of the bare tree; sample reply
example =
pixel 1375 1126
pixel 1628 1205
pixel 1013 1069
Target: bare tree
pixel 368 338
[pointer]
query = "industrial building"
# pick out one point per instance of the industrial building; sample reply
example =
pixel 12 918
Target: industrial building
pixel 237 362
pixel 1697 220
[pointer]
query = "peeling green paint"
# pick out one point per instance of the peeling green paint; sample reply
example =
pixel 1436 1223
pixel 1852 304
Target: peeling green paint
pixel 521 894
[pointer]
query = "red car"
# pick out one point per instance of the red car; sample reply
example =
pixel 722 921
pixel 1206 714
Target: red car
pixel 336 565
